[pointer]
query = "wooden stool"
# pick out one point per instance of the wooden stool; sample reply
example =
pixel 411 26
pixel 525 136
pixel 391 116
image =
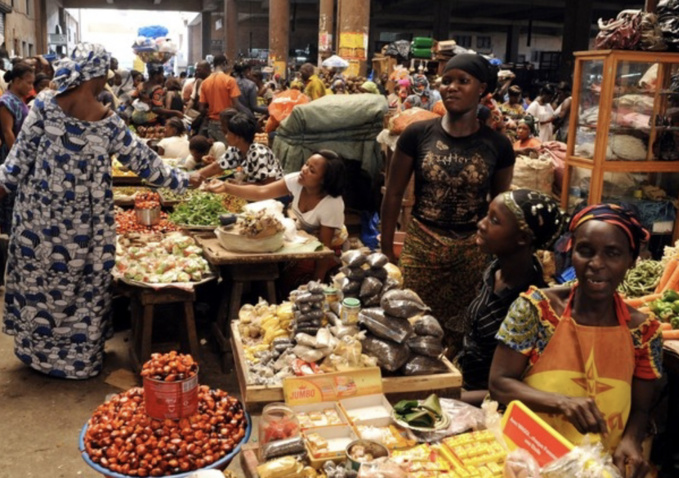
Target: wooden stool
pixel 143 301
pixel 236 277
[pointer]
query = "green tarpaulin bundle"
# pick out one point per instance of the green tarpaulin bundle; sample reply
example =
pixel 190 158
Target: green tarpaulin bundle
pixel 346 124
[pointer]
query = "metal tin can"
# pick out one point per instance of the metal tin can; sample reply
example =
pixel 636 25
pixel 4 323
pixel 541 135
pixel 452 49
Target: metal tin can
pixel 173 400
pixel 350 310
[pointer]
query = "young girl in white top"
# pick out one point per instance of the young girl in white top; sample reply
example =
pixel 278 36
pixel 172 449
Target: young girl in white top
pixel 175 144
pixel 317 204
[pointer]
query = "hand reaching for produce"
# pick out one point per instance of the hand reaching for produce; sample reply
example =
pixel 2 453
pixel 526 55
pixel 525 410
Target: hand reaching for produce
pixel 584 415
pixel 195 179
pixel 629 460
pixel 215 186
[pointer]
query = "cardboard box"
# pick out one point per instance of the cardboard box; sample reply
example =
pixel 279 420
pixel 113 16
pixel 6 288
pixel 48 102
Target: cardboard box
pixel 338 438
pixel 319 407
pixel 367 407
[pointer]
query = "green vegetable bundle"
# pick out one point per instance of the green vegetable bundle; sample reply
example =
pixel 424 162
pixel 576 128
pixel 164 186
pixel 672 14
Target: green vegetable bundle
pixel 642 279
pixel 419 414
pixel 200 209
pixel 667 308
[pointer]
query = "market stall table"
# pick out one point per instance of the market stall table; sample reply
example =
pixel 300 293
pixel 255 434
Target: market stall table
pixel 238 269
pixel 143 301
pixel 396 388
pixel 671 364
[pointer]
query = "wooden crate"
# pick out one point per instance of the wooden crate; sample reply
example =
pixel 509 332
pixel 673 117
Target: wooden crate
pixel 254 397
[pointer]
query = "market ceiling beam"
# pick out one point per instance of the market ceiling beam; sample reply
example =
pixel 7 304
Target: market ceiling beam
pixel 390 5
pixel 166 5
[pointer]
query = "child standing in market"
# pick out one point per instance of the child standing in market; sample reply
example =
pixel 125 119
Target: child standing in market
pixel 517 224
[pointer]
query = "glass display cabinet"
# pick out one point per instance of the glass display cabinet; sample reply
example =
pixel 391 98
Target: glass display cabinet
pixel 623 135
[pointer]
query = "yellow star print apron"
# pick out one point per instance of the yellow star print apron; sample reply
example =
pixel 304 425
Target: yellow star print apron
pixel 590 362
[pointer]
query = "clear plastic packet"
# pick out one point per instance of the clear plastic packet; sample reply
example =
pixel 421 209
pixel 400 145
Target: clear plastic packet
pixel 381 468
pixel 520 464
pixel 588 460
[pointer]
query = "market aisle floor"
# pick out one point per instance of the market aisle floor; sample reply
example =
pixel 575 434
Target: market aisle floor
pixel 41 417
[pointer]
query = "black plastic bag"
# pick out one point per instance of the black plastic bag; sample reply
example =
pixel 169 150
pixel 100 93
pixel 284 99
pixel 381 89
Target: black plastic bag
pixel 390 356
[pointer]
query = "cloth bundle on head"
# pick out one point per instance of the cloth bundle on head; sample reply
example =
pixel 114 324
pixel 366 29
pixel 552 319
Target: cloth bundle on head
pixel 620 216
pixel 477 66
pixel 538 215
pixel 420 85
pixel 87 61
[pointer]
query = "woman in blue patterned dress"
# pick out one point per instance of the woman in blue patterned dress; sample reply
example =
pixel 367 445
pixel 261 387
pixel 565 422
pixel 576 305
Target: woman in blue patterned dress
pixel 13 112
pixel 62 248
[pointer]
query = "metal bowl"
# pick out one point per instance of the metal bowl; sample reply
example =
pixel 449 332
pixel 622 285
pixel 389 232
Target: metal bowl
pixel 148 217
pixel 376 449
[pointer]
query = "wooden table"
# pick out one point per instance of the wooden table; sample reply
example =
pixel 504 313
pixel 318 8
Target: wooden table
pixel 143 301
pixel 254 397
pixel 238 269
pixel 671 364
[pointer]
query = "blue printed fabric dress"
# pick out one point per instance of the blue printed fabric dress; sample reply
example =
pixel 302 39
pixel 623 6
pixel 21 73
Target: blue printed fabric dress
pixel 62 250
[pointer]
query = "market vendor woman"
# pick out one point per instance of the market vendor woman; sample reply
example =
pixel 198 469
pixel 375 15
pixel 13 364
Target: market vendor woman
pixel 257 162
pixel 317 204
pixel 581 357
pixel 458 165
pixel 62 247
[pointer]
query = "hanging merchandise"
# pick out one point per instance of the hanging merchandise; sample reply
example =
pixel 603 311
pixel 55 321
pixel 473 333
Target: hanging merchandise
pixel 621 33
pixel 668 19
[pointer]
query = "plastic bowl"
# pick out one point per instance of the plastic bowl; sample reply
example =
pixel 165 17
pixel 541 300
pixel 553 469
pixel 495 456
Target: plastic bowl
pixel 217 465
pixel 237 243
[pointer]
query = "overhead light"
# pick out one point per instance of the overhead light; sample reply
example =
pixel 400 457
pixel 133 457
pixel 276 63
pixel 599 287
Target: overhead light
pixel 157 2
pixel 110 2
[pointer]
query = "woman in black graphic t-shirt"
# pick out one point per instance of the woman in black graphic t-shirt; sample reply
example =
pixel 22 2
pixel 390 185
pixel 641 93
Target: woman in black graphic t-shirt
pixel 459 165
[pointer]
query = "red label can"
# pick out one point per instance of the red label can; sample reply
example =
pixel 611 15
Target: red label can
pixel 173 400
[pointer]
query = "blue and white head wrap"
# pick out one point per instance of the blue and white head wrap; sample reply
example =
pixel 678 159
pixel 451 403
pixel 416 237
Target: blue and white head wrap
pixel 87 61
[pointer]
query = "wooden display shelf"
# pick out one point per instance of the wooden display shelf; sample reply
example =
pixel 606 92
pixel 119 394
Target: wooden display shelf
pixel 254 397
pixel 613 65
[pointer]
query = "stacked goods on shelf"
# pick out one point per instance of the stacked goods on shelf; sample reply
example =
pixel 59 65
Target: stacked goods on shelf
pixel 393 331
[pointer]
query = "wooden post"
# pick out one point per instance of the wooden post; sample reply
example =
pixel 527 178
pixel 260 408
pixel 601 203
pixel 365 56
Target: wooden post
pixel 326 20
pixel 578 24
pixel 354 27
pixel 651 6
pixel 206 26
pixel 279 33
pixel 231 30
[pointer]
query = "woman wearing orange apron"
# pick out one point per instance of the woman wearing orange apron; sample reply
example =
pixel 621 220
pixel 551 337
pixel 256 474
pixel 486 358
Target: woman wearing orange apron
pixel 579 356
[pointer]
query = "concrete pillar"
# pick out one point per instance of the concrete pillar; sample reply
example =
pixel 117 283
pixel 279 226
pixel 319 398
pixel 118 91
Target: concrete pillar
pixel 577 29
pixel 326 21
pixel 279 35
pixel 231 30
pixel 353 23
pixel 206 26
pixel 441 30
pixel 513 34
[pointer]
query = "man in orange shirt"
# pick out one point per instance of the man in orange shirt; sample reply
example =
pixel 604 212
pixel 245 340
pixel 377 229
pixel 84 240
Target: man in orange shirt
pixel 217 93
